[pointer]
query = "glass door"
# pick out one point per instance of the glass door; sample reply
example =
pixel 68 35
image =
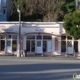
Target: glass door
pixel 8 46
pixel 39 47
pixel 69 47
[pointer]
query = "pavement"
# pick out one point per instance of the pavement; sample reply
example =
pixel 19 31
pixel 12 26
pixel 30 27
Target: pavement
pixel 57 57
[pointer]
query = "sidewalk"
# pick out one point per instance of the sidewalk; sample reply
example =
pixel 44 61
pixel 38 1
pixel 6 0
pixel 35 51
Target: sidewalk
pixel 57 57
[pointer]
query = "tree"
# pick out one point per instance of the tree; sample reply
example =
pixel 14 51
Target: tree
pixel 72 24
pixel 44 10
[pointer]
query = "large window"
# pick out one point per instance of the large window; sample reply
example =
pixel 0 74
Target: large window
pixel 44 46
pixel 2 45
pixel 14 45
pixel 28 45
pixel 63 46
pixel 76 46
pixel 33 45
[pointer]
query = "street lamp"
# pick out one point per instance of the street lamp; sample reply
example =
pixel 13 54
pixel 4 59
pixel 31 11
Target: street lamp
pixel 19 33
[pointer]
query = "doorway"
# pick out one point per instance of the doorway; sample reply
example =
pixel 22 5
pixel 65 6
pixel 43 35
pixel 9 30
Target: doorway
pixel 39 47
pixel 69 47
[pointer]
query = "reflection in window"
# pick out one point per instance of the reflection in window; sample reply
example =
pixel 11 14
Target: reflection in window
pixel 44 46
pixel 14 45
pixel 32 45
pixel 63 46
pixel 28 45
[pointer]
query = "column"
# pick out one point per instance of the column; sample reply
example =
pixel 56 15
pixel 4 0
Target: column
pixel 79 47
pixel 24 42
pixel 53 44
pixel 59 45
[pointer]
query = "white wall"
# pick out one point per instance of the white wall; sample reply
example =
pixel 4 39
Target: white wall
pixel 29 27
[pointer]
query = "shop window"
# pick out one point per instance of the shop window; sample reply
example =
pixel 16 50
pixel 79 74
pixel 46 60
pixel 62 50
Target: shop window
pixel 47 37
pixel 14 45
pixel 32 45
pixel 28 45
pixel 30 37
pixel 76 46
pixel 63 37
pixel 44 46
pixel 63 46
pixel 2 44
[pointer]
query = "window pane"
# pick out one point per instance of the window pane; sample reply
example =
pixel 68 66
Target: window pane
pixel 68 37
pixel 28 45
pixel 32 45
pixel 8 43
pixel 47 37
pixel 76 46
pixel 30 37
pixel 63 37
pixel 63 46
pixel 39 36
pixel 2 45
pixel 8 36
pixel 38 43
pixel 14 36
pixel 44 46
pixel 2 36
pixel 14 45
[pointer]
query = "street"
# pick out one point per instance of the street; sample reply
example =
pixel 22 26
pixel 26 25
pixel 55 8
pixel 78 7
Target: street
pixel 12 68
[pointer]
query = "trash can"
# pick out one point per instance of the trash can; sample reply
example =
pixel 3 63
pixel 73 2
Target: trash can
pixel 25 53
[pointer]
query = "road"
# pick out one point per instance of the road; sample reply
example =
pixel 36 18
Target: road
pixel 37 69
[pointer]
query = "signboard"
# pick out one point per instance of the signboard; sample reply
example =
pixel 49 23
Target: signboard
pixel 8 30
pixel 49 46
pixel 39 29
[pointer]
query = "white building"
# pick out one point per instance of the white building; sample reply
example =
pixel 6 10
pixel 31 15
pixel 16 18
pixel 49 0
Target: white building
pixel 44 38
pixel 5 9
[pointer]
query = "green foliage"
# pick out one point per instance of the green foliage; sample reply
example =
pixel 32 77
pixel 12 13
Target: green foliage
pixel 72 24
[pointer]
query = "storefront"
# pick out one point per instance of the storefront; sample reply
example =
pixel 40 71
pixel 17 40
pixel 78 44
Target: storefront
pixel 38 38
pixel 39 44
pixel 8 42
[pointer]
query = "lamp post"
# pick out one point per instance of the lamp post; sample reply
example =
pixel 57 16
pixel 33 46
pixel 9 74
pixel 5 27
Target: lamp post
pixel 19 33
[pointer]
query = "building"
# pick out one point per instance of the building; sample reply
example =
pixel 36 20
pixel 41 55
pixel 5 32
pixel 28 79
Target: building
pixel 5 9
pixel 43 38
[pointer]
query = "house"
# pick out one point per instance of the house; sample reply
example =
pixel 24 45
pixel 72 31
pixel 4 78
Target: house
pixel 38 38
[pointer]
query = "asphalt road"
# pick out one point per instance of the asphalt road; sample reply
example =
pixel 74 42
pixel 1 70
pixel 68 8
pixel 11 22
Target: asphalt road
pixel 12 68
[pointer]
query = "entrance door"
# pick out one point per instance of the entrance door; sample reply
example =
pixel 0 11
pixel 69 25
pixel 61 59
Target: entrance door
pixel 39 47
pixel 8 46
pixel 69 47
